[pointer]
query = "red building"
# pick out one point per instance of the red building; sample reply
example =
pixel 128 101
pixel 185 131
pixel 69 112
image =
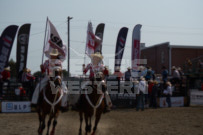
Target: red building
pixel 167 55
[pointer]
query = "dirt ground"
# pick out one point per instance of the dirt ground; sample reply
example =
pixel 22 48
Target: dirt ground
pixel 163 121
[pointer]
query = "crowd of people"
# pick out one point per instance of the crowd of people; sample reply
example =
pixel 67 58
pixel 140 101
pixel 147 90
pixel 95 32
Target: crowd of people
pixel 25 83
pixel 148 86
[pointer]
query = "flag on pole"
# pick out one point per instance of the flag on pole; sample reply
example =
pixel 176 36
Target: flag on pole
pixel 136 47
pixel 22 47
pixel 54 41
pixel 91 41
pixel 6 44
pixel 120 46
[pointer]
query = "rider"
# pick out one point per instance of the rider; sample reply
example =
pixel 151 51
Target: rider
pixel 48 69
pixel 95 67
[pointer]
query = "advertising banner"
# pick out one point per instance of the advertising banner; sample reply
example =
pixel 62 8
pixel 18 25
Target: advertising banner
pixel 13 107
pixel 120 46
pixel 175 102
pixel 6 44
pixel 22 47
pixel 196 97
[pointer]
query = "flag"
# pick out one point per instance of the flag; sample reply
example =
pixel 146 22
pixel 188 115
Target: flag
pixel 6 44
pixel 120 46
pixel 22 47
pixel 136 47
pixel 91 41
pixel 99 33
pixel 54 41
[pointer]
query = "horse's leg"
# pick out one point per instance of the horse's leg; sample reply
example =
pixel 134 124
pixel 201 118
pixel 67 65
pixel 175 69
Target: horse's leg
pixel 40 121
pixel 49 123
pixel 86 122
pixel 81 119
pixel 98 116
pixel 42 124
pixel 54 126
pixel 90 125
pixel 54 122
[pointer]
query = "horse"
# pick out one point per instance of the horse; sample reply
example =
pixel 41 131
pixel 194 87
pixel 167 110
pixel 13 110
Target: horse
pixel 50 103
pixel 92 102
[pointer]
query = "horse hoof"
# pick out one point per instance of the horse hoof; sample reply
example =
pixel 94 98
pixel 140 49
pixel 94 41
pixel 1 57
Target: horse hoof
pixel 52 133
pixel 93 133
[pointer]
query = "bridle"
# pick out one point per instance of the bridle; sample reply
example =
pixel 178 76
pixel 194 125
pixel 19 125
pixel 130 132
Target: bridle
pixel 58 89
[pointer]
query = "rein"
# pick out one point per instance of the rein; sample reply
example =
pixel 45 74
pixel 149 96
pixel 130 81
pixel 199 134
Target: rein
pixel 55 102
pixel 99 101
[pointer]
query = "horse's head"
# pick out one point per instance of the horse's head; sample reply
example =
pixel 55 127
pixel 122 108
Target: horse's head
pixel 57 78
pixel 99 76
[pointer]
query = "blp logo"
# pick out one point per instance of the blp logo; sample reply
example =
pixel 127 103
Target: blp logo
pixel 9 106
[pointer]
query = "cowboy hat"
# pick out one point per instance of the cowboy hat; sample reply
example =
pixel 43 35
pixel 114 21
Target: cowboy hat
pixel 142 78
pixel 128 68
pixel 97 54
pixel 135 81
pixel 7 69
pixel 54 52
pixel 26 70
pixel 173 67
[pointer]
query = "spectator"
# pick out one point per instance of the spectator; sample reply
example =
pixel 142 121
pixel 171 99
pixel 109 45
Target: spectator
pixel 164 75
pixel 118 74
pixel 28 81
pixel 151 84
pixel 143 71
pixel 135 85
pixel 149 74
pixel 6 76
pixel 106 72
pixel 154 94
pixel 128 74
pixel 168 93
pixel 140 94
pixel 22 93
pixel 200 66
pixel 176 76
pixel 181 76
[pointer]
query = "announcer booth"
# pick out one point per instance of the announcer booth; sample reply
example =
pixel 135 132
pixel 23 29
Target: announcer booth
pixel 14 99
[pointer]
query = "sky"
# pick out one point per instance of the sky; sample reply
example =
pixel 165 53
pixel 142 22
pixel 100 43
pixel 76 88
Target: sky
pixel 179 22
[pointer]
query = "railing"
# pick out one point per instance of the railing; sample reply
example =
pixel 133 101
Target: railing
pixel 194 66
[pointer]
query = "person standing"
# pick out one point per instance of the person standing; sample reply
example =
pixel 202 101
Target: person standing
pixel 164 75
pixel 168 93
pixel 128 74
pixel 6 76
pixel 28 82
pixel 154 94
pixel 140 94
pixel 176 76
pixel 150 85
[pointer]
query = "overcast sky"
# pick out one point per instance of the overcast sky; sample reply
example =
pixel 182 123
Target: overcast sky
pixel 179 22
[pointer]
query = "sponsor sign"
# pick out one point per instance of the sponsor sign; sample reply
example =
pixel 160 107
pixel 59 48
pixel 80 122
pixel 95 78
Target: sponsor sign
pixel 175 102
pixel 196 97
pixel 16 107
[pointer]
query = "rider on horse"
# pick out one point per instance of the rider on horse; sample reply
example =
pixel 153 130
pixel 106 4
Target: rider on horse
pixel 96 74
pixel 48 68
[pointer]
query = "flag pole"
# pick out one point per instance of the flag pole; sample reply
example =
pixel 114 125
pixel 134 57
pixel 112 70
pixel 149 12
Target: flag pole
pixel 45 37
